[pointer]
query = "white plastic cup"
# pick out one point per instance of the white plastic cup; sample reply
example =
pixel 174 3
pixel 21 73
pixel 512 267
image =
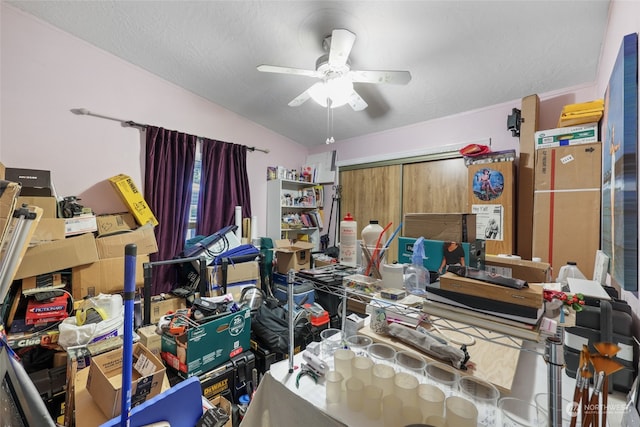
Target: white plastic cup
pixel 460 412
pixel 391 408
pixel 361 368
pixel 333 383
pixel 484 395
pixel 372 402
pixel 406 388
pixel 444 376
pixel 354 394
pixel 342 358
pixel 411 415
pixel 430 400
pixel 436 421
pixel 383 376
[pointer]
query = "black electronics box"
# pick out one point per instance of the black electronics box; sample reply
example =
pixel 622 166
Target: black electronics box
pixel 230 379
pixel 604 321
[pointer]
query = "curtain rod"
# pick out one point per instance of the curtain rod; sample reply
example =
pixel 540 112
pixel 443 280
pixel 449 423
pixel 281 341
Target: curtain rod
pixel 130 123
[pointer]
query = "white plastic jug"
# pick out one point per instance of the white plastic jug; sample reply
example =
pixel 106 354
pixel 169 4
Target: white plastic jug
pixel 569 270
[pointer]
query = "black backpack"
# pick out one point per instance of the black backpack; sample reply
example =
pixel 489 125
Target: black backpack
pixel 269 326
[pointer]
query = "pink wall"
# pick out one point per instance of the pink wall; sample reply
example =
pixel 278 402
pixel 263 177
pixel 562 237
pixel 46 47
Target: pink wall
pixel 46 72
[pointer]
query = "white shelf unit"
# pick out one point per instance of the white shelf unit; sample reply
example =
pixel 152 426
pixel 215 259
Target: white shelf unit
pixel 288 197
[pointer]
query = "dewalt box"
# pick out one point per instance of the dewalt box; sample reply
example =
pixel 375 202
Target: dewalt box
pixel 134 200
pixel 202 348
pixel 230 379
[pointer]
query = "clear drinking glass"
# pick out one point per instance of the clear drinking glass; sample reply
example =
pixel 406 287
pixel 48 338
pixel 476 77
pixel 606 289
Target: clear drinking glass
pixel 484 395
pixel 542 408
pixel 330 340
pixel 407 361
pixel 517 412
pixel 342 358
pixel 359 344
pixel 382 353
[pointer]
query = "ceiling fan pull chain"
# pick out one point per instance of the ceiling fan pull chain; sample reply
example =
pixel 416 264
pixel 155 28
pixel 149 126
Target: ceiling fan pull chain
pixel 330 139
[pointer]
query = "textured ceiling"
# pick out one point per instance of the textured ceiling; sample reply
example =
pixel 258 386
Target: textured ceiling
pixel 462 55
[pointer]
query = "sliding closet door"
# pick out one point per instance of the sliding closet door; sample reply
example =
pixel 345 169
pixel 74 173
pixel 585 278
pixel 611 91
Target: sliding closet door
pixel 438 186
pixel 373 193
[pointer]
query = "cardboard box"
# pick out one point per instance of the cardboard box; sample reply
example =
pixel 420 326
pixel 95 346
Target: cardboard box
pixel 133 199
pixel 200 349
pixel 222 403
pixel 58 255
pixel 113 246
pixel 528 297
pixel 296 256
pixel 236 273
pixel 566 221
pixel 80 224
pixel 42 281
pixel 104 276
pixel 455 227
pixel 8 203
pixel 582 134
pixel 532 272
pixel 49 205
pixel 104 382
pixel 48 230
pixel 165 305
pixel 474 253
pixel 35 182
pixel 115 223
pixel 150 338
pixel 526 171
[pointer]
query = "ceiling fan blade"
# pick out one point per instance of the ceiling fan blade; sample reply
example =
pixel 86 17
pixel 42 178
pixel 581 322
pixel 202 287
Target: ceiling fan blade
pixel 341 44
pixel 381 77
pixel 303 97
pixel 356 102
pixel 287 70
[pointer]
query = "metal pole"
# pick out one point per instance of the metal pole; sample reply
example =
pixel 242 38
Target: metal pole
pixel 292 326
pixel 130 252
pixel 555 362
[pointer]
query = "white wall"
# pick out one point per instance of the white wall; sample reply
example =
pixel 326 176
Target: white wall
pixel 46 72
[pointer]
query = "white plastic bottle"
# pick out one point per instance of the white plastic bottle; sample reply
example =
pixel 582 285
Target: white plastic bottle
pixel 569 270
pixel 371 233
pixel 348 237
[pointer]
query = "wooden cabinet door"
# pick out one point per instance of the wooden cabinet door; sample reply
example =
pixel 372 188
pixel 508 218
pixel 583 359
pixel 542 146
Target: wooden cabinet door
pixel 438 186
pixel 386 193
pixel 373 193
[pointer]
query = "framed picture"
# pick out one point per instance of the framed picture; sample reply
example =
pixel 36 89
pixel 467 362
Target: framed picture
pixel 619 133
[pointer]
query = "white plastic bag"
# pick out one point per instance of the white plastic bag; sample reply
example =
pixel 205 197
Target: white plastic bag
pixel 72 335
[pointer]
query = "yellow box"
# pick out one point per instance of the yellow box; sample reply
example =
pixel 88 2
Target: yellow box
pixel 134 200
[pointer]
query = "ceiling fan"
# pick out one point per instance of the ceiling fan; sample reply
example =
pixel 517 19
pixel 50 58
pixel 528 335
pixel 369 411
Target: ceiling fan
pixel 336 86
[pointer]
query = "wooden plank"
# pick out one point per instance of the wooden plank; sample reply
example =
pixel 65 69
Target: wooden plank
pixel 495 363
pixel 526 167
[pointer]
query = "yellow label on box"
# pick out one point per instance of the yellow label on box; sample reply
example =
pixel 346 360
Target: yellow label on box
pixel 132 197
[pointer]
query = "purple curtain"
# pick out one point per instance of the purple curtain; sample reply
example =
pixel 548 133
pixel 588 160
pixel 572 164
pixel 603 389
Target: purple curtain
pixel 224 184
pixel 170 159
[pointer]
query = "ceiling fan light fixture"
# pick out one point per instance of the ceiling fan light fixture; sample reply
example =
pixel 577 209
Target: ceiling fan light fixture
pixel 337 89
